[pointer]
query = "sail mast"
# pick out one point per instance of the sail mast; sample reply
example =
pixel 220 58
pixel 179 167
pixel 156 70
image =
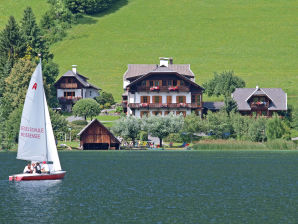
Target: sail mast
pixel 44 112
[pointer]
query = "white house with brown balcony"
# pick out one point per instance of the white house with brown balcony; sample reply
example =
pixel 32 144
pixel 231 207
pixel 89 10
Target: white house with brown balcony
pixel 72 87
pixel 161 89
pixel 260 101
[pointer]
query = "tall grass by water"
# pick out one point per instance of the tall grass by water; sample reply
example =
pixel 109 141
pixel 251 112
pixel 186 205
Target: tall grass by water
pixel 278 144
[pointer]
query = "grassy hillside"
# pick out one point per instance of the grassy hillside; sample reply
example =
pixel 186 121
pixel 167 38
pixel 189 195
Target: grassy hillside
pixel 257 39
pixel 16 8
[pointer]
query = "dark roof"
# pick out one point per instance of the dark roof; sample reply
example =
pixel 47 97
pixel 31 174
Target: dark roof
pixel 277 97
pixel 82 79
pixel 167 72
pixel 97 121
pixel 135 70
pixel 213 105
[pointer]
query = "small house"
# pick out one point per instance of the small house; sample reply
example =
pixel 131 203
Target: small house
pixel 95 136
pixel 260 101
pixel 72 87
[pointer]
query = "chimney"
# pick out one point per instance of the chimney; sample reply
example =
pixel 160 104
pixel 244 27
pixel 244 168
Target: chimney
pixel 163 61
pixel 171 61
pixel 257 87
pixel 74 69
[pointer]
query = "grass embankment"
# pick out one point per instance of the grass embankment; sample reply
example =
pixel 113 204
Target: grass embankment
pixel 16 8
pixel 256 39
pixel 244 145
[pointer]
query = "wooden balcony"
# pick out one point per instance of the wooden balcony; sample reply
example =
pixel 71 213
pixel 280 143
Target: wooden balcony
pixel 68 85
pixel 259 105
pixel 68 99
pixel 163 89
pixel 163 105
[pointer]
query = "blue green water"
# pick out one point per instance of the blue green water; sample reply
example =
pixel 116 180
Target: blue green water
pixel 156 187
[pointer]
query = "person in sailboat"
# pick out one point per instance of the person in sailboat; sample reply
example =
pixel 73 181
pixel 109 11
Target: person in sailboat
pixel 37 168
pixel 45 167
pixel 28 168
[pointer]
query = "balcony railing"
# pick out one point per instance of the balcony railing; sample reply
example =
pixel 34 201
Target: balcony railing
pixel 163 105
pixel 259 105
pixel 163 88
pixel 68 85
pixel 68 99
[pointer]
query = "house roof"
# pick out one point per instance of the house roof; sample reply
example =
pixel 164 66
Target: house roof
pixel 277 97
pixel 135 70
pixel 213 105
pixel 166 71
pixel 97 121
pixel 82 79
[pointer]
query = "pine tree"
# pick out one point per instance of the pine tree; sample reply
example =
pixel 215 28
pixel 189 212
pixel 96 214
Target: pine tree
pixel 33 35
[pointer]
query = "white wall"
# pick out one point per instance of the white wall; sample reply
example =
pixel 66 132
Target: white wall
pixel 137 96
pixel 90 93
pixel 125 83
pixel 138 111
pixel 60 92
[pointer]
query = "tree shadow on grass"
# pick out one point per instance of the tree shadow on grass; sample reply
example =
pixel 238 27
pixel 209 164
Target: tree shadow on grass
pixel 89 19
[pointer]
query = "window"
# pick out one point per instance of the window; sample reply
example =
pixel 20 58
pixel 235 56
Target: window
pixel 156 83
pixel 169 82
pixel 151 83
pixel 69 94
pixel 143 83
pixel 144 113
pixel 180 99
pixel 164 83
pixel 174 82
pixel 181 83
pixel 157 99
pixel 193 98
pixel 145 99
pixel 255 99
pixel 156 112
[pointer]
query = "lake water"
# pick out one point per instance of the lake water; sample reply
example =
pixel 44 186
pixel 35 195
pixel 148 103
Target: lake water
pixel 156 187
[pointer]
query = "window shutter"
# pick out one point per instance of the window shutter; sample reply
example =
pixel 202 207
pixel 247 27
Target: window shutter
pixel 160 99
pixel 153 99
pixel 169 99
pixel 184 99
pixel 177 99
pixel 142 99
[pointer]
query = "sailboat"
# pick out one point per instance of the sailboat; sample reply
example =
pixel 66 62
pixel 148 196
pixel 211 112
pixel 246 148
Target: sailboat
pixel 36 136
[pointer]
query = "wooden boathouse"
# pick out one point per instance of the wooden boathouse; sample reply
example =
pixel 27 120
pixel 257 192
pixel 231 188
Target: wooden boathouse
pixel 95 136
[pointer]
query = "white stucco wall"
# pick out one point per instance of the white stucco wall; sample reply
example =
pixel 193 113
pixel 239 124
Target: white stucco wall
pixel 90 93
pixel 137 96
pixel 60 92
pixel 125 83
pixel 138 111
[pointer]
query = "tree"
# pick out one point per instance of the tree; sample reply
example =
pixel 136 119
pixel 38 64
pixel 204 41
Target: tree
pixel 12 127
pixel 192 124
pixel 16 85
pixel 257 129
pixel 104 98
pixel 127 127
pixel 88 6
pixel 33 35
pixel 161 127
pixel 86 108
pixel 223 84
pixel 275 128
pixel 219 124
pixel 59 123
pixel 230 105
pixel 12 47
pixel 241 125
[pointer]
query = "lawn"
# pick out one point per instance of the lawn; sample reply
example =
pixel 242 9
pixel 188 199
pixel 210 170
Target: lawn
pixel 256 39
pixel 16 8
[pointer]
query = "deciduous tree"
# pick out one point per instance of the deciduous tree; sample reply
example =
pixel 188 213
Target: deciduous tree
pixel 223 84
pixel 86 108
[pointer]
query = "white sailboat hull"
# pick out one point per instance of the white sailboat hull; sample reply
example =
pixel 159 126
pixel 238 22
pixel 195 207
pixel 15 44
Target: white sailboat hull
pixel 36 176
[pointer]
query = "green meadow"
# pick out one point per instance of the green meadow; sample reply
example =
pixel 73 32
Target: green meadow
pixel 16 8
pixel 257 39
